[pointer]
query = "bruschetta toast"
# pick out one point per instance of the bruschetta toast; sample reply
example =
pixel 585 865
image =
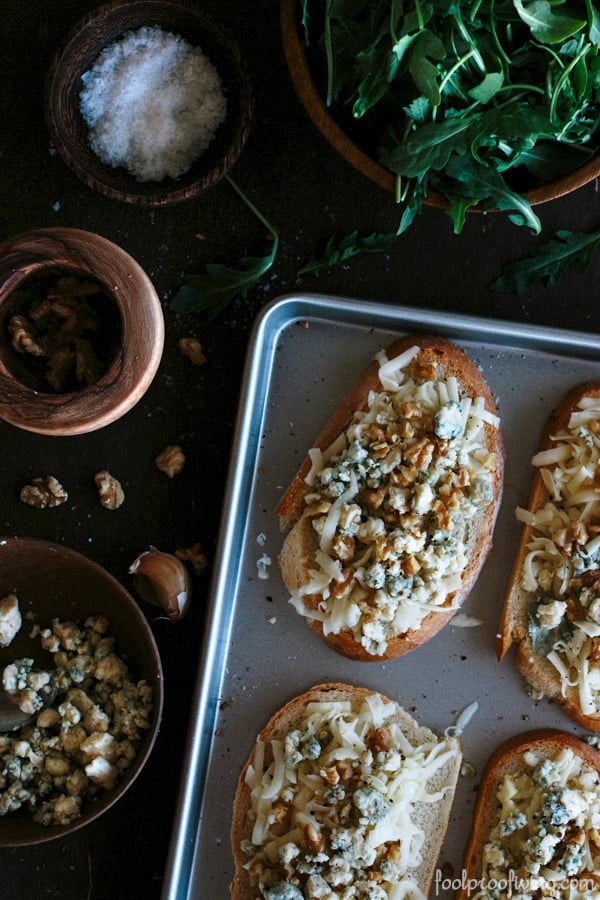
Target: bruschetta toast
pixel 391 514
pixel 552 606
pixel 536 824
pixel 342 788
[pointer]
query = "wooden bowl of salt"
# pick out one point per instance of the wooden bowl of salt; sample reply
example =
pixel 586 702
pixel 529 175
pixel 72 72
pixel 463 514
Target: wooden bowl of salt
pixel 149 102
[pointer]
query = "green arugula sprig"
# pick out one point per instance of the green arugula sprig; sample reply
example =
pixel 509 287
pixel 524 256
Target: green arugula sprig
pixel 548 261
pixel 467 99
pixel 339 250
pixel 211 291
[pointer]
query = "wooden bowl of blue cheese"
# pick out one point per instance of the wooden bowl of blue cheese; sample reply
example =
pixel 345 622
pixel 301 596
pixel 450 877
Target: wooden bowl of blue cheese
pixel 149 101
pixel 68 625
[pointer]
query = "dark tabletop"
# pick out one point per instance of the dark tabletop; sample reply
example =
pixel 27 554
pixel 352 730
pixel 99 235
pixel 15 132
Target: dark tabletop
pixel 308 193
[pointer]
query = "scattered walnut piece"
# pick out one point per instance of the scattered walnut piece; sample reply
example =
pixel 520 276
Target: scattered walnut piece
pixel 171 460
pixel 110 490
pixel 44 492
pixel 195 555
pixel 192 348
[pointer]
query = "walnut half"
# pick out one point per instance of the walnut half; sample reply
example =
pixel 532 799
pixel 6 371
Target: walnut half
pixel 44 492
pixel 110 490
pixel 192 349
pixel 171 460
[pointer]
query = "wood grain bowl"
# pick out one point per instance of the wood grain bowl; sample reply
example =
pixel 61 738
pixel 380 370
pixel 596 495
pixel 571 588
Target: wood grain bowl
pixel 53 581
pixel 141 334
pixel 309 95
pixel 81 49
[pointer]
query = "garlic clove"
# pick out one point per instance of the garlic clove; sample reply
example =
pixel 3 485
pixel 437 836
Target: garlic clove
pixel 163 580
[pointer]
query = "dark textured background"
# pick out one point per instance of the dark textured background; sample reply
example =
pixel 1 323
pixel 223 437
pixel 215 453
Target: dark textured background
pixel 308 193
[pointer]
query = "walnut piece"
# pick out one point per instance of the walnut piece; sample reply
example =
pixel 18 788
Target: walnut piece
pixel 195 555
pixel 44 492
pixel 22 339
pixel 171 460
pixel 110 490
pixel 60 325
pixel 192 348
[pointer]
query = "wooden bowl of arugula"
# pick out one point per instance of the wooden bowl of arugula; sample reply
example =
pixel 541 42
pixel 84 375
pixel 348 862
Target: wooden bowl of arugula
pixel 465 107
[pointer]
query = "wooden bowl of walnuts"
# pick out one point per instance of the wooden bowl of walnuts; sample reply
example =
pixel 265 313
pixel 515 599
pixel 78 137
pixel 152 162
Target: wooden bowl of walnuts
pixel 81 331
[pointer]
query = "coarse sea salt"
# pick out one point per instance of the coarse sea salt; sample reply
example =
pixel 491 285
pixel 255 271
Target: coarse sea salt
pixel 152 103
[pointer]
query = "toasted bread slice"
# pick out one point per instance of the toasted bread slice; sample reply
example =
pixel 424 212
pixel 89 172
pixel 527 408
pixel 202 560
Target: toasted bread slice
pixel 392 512
pixel 535 820
pixel 342 787
pixel 552 606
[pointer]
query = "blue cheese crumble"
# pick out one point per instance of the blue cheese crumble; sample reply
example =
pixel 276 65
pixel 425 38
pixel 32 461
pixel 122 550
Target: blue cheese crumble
pixel 87 738
pixel 392 504
pixel 545 841
pixel 10 619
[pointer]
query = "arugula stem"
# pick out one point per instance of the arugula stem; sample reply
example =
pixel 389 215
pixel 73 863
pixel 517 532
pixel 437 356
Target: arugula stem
pixel 328 53
pixel 419 12
pixel 494 32
pixel 393 20
pixel 564 77
pixel 475 10
pixel 518 86
pixel 469 40
pixel 451 72
pixel 398 192
pixel 252 207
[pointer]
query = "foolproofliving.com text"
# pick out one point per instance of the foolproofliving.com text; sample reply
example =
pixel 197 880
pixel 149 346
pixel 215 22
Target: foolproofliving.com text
pixel 509 886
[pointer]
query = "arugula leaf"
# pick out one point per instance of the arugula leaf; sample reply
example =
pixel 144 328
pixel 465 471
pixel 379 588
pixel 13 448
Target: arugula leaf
pixel 375 84
pixel 351 245
pixel 424 72
pixel 489 86
pixel 546 25
pixel 487 186
pixel 211 291
pixel 548 261
pixel 429 147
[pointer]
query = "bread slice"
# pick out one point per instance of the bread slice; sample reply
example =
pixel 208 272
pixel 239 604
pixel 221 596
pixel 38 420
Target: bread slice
pixel 410 535
pixel 536 817
pixel 552 605
pixel 350 759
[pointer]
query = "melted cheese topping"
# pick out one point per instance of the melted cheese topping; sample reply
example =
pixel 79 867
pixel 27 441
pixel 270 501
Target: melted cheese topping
pixel 333 804
pixel 393 502
pixel 545 841
pixel 562 569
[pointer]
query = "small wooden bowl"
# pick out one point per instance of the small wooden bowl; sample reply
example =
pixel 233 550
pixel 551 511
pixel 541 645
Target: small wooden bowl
pixel 52 581
pixel 80 51
pixel 138 349
pixel 308 93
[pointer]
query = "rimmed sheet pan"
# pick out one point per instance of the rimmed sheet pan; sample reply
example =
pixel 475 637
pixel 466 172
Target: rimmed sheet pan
pixel 306 350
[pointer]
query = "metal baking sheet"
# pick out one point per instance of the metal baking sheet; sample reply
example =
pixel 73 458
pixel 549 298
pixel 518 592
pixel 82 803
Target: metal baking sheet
pixel 306 350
